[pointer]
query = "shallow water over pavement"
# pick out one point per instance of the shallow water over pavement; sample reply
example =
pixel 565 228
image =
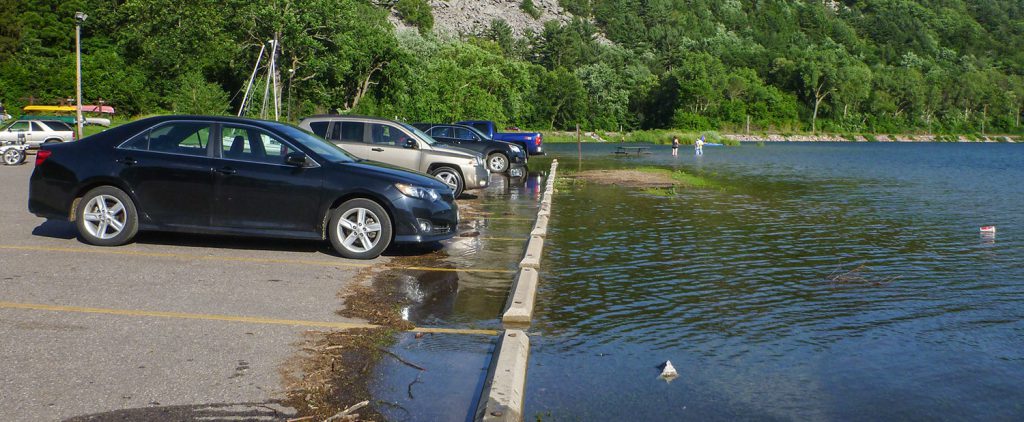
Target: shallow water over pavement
pixel 821 281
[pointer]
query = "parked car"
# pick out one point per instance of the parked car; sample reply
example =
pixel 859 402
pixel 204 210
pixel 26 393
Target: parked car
pixel 502 157
pixel 402 145
pixel 529 141
pixel 235 176
pixel 38 132
pixel 13 151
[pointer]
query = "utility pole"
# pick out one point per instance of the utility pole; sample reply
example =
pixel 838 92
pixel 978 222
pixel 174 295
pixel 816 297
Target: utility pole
pixel 79 20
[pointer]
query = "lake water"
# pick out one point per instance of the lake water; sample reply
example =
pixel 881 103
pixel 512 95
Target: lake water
pixel 740 287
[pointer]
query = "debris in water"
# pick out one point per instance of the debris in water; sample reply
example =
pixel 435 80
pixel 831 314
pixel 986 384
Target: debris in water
pixel 857 276
pixel 988 229
pixel 668 372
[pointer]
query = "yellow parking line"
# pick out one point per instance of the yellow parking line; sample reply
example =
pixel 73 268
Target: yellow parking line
pixel 181 315
pixel 508 218
pixel 454 331
pixel 228 318
pixel 339 263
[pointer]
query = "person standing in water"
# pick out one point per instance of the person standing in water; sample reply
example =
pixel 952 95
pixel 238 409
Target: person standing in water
pixel 675 146
pixel 698 147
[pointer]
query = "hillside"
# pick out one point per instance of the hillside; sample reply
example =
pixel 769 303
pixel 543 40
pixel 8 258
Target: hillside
pixel 459 17
pixel 937 66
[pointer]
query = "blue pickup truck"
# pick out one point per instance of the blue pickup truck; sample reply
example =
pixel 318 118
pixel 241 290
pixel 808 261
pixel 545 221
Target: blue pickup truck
pixel 530 141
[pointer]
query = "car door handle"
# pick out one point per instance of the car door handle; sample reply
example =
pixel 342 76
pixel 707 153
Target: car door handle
pixel 128 161
pixel 377 149
pixel 227 171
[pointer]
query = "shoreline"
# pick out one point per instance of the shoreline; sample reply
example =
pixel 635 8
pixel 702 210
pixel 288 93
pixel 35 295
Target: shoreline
pixel 663 136
pixel 861 138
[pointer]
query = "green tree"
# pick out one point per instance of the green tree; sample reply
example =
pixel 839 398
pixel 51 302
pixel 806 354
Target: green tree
pixel 194 95
pixel 561 99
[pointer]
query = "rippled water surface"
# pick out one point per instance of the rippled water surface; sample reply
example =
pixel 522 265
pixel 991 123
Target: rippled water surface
pixel 819 282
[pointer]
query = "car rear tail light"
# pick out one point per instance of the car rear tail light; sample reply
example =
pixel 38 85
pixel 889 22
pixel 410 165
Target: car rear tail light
pixel 537 142
pixel 42 155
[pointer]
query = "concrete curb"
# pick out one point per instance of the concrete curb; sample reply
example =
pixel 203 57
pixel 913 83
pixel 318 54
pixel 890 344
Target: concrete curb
pixel 506 383
pixel 505 388
pixel 533 253
pixel 519 309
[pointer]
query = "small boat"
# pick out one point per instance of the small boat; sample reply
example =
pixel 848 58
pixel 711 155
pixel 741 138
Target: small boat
pixel 988 229
pixel 69 109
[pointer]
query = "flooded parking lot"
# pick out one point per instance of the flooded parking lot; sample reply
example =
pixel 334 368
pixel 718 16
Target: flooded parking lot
pixel 191 327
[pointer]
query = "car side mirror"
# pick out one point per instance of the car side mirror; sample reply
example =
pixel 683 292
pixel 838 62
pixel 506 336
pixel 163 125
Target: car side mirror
pixel 411 143
pixel 295 158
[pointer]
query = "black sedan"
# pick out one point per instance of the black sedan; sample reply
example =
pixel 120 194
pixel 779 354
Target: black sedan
pixel 502 157
pixel 238 177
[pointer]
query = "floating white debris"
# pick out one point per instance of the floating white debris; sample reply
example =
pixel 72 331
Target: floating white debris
pixel 668 373
pixel 988 229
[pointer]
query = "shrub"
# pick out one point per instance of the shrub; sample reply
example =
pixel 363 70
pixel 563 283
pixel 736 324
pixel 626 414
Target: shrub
pixel 870 137
pixel 686 120
pixel 530 9
pixel 416 13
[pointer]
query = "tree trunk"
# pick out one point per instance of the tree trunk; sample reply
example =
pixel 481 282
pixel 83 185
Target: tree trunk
pixel 814 118
pixel 365 86
pixel 984 116
pixel 818 98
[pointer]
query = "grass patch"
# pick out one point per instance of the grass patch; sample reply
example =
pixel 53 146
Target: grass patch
pixel 665 192
pixel 681 178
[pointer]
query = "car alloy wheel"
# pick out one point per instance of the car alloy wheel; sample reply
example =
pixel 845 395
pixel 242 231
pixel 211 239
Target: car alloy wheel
pixel 497 162
pixel 106 216
pixel 360 229
pixel 14 157
pixel 450 177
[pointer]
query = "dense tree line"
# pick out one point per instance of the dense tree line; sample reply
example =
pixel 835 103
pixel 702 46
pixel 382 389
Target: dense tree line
pixel 838 66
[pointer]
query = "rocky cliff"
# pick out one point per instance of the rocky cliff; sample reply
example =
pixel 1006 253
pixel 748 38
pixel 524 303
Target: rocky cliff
pixel 461 17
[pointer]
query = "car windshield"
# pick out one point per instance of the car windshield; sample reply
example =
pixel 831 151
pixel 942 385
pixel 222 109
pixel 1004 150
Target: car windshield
pixel 323 148
pixel 426 138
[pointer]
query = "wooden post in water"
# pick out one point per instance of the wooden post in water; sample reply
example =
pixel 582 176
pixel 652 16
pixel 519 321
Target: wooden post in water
pixel 579 146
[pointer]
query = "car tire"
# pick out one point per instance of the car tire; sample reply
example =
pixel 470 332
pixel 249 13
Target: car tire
pixel 52 141
pixel 360 229
pixel 106 216
pixel 450 177
pixel 497 163
pixel 13 157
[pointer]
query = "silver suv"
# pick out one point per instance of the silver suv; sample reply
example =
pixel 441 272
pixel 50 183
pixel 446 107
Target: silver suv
pixel 401 145
pixel 37 132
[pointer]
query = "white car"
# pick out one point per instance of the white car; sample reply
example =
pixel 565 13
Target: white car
pixel 38 132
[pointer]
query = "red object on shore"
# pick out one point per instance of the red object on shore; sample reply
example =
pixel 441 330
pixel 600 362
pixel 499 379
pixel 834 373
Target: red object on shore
pixel 988 229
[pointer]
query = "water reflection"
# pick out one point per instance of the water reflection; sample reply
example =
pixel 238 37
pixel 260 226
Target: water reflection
pixel 431 295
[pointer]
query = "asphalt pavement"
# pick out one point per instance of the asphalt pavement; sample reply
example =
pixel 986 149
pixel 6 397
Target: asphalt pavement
pixel 170 327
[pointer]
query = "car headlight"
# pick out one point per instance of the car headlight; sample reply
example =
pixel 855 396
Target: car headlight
pixel 418 192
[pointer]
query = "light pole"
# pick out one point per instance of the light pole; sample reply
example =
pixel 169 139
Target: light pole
pixel 79 19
